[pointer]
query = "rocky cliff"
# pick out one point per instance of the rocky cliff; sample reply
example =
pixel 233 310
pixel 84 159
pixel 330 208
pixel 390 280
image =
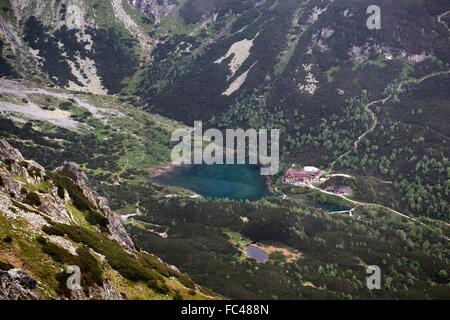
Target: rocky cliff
pixel 55 231
pixel 156 8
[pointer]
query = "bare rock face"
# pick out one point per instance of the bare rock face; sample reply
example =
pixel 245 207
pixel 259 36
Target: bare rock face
pixel 8 153
pixel 48 203
pixel 11 157
pixel 54 207
pixel 17 164
pixel 36 172
pixel 16 285
pixel 105 292
pixel 115 227
pixel 70 184
pixel 13 187
pixel 71 178
pixel 156 8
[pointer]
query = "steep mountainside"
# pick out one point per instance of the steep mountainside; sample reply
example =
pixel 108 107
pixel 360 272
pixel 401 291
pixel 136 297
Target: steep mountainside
pixel 53 220
pixel 103 83
pixel 155 8
pixel 89 46
pixel 347 99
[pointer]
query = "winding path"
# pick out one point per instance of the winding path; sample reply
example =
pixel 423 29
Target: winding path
pixel 441 16
pixel 360 204
pixel 357 142
pixel 383 101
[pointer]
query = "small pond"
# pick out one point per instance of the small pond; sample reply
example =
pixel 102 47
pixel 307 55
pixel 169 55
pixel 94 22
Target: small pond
pixel 256 253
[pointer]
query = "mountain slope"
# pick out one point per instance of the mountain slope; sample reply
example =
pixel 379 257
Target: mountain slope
pixel 368 107
pixel 53 220
pixel 315 71
pixel 88 46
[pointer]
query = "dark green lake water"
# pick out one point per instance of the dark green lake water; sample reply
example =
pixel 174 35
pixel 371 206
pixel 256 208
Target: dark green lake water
pixel 236 182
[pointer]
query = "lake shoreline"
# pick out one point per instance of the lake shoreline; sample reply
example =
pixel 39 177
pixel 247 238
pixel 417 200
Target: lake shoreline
pixel 161 170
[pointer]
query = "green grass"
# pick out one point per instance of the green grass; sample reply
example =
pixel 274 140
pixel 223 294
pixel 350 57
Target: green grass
pixel 173 23
pixel 24 251
pixel 407 70
pixel 138 17
pixel 127 265
pixel 90 267
pixel 11 98
pixel 142 267
pixel 237 239
pixel 80 217
pixel 42 186
pixel 376 62
pixel 330 73
pixel 103 12
pixel 326 198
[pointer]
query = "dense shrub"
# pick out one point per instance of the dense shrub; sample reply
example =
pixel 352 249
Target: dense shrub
pixel 33 199
pixel 127 265
pixel 96 218
pixel 5 266
pixel 91 272
pixel 7 239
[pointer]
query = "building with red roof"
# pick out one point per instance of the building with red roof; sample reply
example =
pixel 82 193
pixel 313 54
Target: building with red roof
pixel 300 176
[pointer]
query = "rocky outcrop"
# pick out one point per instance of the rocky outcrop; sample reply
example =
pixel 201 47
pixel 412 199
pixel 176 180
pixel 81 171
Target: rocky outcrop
pixel 11 158
pixel 36 172
pixel 72 178
pixel 13 187
pixel 115 227
pixel 155 8
pixel 16 285
pixel 8 153
pixel 47 202
pixel 52 221
pixel 105 292
pixel 52 206
pixel 17 164
pixel 70 184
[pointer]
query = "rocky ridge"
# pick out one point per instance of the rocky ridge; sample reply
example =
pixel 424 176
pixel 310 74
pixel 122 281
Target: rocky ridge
pixel 156 8
pixel 51 220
